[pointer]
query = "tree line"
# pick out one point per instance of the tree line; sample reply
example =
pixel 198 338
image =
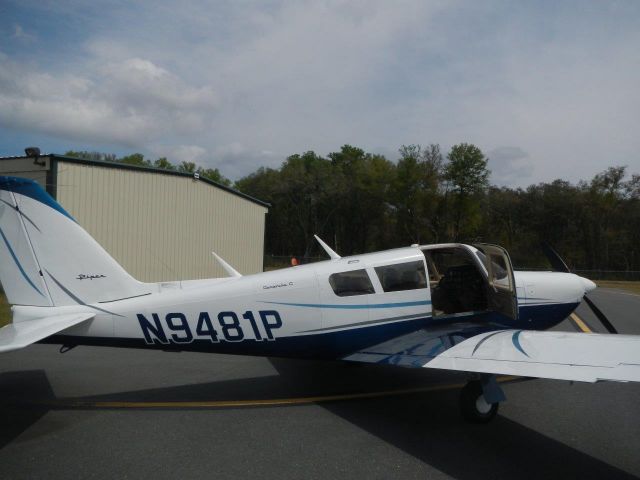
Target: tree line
pixel 362 202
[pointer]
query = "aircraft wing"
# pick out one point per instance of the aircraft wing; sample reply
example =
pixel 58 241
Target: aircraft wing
pixel 586 357
pixel 21 334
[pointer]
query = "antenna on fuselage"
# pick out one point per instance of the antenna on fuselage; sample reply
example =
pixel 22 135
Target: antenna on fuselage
pixel 232 272
pixel 331 253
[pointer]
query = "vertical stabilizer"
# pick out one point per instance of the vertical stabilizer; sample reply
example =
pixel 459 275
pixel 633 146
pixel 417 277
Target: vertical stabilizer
pixel 48 259
pixel 19 271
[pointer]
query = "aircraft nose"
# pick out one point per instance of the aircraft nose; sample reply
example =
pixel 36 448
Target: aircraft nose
pixel 587 284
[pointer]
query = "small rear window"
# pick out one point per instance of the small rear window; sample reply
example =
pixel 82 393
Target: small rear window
pixel 347 284
pixel 402 276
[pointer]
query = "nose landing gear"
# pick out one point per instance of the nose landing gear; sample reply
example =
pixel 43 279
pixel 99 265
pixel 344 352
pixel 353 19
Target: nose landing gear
pixel 480 399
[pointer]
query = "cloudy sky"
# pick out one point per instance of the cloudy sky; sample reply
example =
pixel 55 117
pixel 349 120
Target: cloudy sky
pixel 546 89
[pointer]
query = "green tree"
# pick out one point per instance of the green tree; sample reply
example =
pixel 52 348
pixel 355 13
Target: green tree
pixel 164 164
pixel 187 167
pixel 416 193
pixel 504 222
pixel 604 210
pixel 309 187
pixel 95 156
pixel 631 223
pixel 467 178
pixel 265 184
pixel 135 159
pixel 361 219
pixel 215 175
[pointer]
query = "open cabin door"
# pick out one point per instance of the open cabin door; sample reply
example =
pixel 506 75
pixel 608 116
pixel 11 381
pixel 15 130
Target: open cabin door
pixel 501 292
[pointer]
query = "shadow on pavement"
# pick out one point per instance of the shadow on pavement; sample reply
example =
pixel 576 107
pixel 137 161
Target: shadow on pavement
pixel 426 426
pixel 429 427
pixel 16 390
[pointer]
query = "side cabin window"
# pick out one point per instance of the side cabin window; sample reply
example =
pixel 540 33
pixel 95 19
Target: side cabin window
pixel 402 276
pixel 347 284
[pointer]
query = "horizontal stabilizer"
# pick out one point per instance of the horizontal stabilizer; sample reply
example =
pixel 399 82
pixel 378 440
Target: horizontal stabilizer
pixel 21 334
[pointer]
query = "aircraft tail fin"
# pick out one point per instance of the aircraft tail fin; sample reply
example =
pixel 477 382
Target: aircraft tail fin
pixel 47 259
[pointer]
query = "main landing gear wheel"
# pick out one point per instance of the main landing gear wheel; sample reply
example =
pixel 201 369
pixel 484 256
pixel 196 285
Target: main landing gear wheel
pixel 473 406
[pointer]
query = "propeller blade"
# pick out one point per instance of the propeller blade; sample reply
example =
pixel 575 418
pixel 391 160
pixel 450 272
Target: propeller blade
pixel 554 258
pixel 601 316
pixel 558 265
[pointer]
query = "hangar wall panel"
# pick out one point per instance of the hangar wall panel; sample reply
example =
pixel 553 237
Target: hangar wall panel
pixel 25 168
pixel 163 227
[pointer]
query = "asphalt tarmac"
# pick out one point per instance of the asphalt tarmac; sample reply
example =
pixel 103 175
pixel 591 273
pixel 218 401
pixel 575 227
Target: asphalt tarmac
pixel 116 413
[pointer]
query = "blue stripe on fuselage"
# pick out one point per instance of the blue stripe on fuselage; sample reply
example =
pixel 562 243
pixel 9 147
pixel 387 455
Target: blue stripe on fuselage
pixel 329 345
pixel 338 344
pixel 353 307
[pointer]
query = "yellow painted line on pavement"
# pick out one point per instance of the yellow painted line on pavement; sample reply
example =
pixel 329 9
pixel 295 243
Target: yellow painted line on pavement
pixel 260 403
pixel 581 325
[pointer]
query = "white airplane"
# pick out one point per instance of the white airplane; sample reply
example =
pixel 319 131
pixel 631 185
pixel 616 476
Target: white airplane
pixel 449 306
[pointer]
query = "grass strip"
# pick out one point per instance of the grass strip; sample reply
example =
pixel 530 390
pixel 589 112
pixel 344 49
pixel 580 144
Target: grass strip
pixel 633 287
pixel 5 310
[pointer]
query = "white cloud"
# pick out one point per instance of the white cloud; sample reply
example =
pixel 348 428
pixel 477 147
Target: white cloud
pixel 139 83
pixel 22 36
pixel 182 153
pixel 510 166
pixel 131 102
pixel 231 159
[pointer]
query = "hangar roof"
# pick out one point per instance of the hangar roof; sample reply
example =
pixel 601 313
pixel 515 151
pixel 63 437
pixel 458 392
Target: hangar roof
pixel 139 168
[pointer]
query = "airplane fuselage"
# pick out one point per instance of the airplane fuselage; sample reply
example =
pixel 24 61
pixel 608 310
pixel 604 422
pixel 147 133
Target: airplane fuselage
pixel 296 312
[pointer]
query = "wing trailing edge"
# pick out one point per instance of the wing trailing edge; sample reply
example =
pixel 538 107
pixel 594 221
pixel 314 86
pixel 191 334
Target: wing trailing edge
pixel 584 357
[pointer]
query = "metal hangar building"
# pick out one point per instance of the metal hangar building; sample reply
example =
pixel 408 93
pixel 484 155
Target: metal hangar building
pixel 160 225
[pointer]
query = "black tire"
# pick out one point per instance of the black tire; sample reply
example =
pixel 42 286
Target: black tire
pixel 472 405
